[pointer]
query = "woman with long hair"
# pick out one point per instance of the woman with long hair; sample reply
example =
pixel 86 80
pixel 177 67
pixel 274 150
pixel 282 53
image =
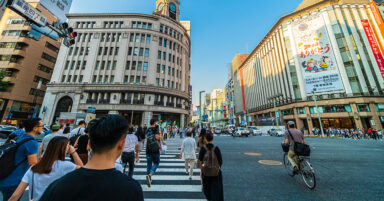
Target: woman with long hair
pixel 51 167
pixel 83 147
pixel 202 141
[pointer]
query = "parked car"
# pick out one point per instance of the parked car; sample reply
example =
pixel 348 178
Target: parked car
pixel 229 129
pixel 254 131
pixel 239 132
pixel 5 131
pixel 276 132
pixel 218 130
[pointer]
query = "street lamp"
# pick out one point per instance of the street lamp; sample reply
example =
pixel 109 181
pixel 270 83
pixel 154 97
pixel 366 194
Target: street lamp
pixel 318 113
pixel 277 115
pixel 201 122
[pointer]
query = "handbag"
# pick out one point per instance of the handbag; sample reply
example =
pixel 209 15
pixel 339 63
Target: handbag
pixel 300 149
pixel 285 147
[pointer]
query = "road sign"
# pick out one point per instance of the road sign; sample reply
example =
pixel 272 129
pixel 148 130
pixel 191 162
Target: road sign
pixel 159 117
pixel 91 110
pixel 32 14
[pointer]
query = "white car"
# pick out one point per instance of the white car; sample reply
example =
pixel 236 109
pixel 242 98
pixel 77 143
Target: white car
pixel 218 131
pixel 254 130
pixel 276 132
pixel 239 132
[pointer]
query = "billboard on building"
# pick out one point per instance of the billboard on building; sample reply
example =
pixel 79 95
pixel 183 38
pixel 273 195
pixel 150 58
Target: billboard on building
pixel 315 55
pixel 59 8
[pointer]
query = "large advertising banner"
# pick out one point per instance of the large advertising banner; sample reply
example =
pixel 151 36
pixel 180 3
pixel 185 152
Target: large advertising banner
pixel 374 46
pixel 377 17
pixel 59 8
pixel 315 56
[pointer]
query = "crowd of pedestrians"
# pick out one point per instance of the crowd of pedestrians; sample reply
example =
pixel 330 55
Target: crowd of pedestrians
pixel 92 173
pixel 352 133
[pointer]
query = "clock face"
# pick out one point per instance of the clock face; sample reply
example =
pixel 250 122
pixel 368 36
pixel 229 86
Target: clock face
pixel 172 7
pixel 161 6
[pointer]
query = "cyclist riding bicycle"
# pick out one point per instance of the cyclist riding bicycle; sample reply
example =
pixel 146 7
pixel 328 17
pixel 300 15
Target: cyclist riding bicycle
pixel 298 136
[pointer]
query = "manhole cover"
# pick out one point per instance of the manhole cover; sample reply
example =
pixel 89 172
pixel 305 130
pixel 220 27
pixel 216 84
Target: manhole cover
pixel 252 154
pixel 270 162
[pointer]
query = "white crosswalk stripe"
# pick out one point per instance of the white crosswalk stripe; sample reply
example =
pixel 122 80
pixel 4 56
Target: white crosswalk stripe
pixel 170 182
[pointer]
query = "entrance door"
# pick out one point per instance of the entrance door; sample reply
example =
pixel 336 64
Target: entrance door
pixel 64 105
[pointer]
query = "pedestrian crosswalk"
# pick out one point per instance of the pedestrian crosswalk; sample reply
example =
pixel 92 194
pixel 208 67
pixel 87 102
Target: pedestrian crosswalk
pixel 170 182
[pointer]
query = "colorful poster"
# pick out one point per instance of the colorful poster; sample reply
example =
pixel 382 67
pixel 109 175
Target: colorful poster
pixel 374 46
pixel 315 56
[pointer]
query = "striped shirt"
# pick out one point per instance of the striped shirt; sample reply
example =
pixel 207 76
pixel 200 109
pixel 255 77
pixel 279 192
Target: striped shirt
pixel 130 143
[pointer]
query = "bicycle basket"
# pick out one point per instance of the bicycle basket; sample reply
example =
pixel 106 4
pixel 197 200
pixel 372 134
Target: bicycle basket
pixel 285 147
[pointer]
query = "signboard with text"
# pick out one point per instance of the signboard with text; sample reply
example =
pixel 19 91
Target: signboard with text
pixel 315 55
pixel 29 12
pixel 59 8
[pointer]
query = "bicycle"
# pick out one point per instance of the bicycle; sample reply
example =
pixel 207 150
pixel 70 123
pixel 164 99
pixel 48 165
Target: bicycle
pixel 304 168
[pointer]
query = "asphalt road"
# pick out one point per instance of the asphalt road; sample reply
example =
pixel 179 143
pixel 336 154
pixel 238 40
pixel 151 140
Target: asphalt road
pixel 345 170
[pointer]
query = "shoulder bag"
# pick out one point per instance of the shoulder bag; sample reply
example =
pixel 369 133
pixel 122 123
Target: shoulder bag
pixel 300 149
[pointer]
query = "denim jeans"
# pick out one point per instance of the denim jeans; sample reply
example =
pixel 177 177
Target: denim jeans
pixel 155 159
pixel 7 192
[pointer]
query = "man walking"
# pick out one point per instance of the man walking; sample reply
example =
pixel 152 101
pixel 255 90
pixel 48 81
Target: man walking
pixel 98 179
pixel 131 145
pixel 47 138
pixel 152 151
pixel 25 156
pixel 188 149
pixel 297 137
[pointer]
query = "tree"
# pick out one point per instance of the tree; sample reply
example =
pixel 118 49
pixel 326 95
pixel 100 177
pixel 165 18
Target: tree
pixel 3 85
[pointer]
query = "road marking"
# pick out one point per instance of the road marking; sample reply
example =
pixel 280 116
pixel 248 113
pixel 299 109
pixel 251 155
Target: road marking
pixel 165 164
pixel 270 162
pixel 166 177
pixel 171 188
pixel 252 154
pixel 160 169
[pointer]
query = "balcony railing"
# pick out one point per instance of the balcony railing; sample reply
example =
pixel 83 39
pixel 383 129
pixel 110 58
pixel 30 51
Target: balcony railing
pixel 159 103
pixel 138 102
pixel 124 101
pixel 170 104
pixel 179 105
pixel 91 101
pixel 104 101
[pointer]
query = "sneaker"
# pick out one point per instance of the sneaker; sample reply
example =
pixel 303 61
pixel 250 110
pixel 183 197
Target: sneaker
pixel 149 181
pixel 190 177
pixel 187 173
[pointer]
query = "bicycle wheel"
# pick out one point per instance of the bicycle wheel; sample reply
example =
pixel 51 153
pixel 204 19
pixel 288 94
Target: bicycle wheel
pixel 308 175
pixel 287 165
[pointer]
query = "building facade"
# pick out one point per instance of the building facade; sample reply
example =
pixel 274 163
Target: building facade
pixel 135 65
pixel 24 63
pixel 328 50
pixel 229 98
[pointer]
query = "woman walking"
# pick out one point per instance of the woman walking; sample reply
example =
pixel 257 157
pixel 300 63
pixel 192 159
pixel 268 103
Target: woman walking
pixel 51 167
pixel 141 138
pixel 82 147
pixel 211 162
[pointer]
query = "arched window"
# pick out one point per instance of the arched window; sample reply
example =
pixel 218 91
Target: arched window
pixel 64 105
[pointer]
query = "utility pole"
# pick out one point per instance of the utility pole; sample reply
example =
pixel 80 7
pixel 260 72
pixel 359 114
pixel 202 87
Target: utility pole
pixel 318 114
pixel 201 122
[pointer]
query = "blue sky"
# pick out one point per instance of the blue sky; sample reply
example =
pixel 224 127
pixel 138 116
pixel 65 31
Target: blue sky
pixel 220 29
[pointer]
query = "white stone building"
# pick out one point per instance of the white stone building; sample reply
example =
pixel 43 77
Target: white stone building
pixel 135 65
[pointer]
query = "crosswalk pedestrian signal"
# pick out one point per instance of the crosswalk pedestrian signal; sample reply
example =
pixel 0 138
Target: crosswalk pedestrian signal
pixel 69 34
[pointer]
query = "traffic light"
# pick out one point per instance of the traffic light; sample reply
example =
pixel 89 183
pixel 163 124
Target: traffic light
pixel 68 34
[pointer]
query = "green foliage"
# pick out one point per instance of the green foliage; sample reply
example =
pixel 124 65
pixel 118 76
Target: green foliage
pixel 3 85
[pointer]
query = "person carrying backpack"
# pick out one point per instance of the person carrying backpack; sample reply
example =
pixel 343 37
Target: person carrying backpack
pixel 210 162
pixel 18 157
pixel 153 150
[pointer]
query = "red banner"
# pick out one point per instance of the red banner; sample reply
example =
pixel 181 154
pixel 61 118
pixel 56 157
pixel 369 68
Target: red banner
pixel 374 45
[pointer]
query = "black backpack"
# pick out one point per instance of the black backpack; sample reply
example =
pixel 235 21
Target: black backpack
pixel 73 139
pixel 7 157
pixel 152 144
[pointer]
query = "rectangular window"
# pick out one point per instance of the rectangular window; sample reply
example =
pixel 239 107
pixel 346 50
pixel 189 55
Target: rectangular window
pixel 105 50
pixel 100 79
pixel 126 79
pixel 76 51
pixel 69 78
pixel 78 65
pixel 160 41
pixel 117 51
pixel 130 51
pixel 63 78
pixel 112 79
pixel 164 56
pixel 142 38
pixel 74 78
pixel 84 65
pixel 106 78
pixel 144 25
pixel 132 79
pixel 168 83
pixel 109 65
pixel 85 37
pixel 137 38
pixel 113 37
pixel 131 37
pixel 173 72
pixel 118 37
pixel 102 65
pixel 87 50
pixel 133 24
pixel 161 28
pixel 163 69
pixel 169 57
pixel 169 70
pixel 82 51
pixel 145 68
pixel 146 52
pixel 165 42
pixel 159 55
pixel 170 45
pixel 66 65
pixel 144 80
pixel 139 65
pixel 127 66
pixel 133 65
pixel 81 78
pixel 97 65
pixel 137 79
pixel 135 51
pixel 157 82
pixel 173 85
pixel 109 37
pixel 139 25
pixel 103 37
pixel 100 50
pixel 149 26
pixel 141 53
pixel 90 37
pixel 148 39
pixel 94 79
pixel 70 51
pixel 114 65
pixel 158 68
pixel 111 51
pixel 73 65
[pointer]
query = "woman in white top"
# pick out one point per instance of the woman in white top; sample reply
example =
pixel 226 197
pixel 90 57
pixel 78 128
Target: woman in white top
pixel 51 167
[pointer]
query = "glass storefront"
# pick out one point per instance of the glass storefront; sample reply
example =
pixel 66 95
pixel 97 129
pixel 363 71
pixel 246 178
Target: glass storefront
pixel 334 123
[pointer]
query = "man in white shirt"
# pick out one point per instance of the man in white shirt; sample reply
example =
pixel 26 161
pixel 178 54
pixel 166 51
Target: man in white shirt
pixel 79 130
pixel 188 150
pixel 47 138
pixel 131 145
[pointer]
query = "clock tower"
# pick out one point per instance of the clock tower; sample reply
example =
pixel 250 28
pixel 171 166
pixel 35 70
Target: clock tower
pixel 169 8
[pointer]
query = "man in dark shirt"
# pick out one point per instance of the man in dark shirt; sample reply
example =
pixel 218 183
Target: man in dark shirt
pixel 99 180
pixel 152 151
